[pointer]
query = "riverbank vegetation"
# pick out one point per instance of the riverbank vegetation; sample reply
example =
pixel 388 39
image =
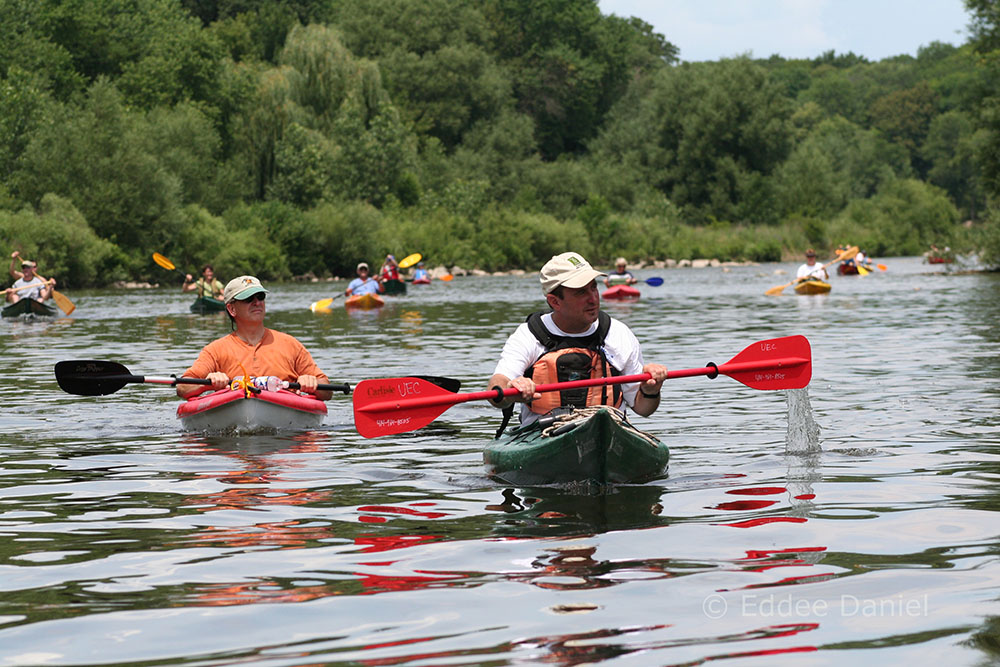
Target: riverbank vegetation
pixel 281 138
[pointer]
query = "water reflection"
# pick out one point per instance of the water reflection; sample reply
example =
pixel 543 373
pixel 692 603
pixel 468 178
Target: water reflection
pixel 547 512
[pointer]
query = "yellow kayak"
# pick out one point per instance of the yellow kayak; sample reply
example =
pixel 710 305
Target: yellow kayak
pixel 812 287
pixel 365 301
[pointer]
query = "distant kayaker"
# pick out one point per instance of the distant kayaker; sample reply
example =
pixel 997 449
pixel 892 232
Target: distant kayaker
pixel 575 340
pixel 810 270
pixel 363 284
pixel 252 348
pixel 420 274
pixel 27 284
pixel 621 275
pixel 207 285
pixel 390 270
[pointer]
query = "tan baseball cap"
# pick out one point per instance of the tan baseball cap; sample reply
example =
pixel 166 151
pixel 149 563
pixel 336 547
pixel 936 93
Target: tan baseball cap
pixel 569 269
pixel 362 265
pixel 28 263
pixel 243 287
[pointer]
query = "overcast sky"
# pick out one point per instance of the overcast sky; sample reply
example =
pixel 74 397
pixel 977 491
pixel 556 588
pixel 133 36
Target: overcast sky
pixel 875 29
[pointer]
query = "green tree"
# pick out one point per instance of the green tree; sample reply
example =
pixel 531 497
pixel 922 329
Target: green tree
pixel 836 163
pixel 836 92
pixel 96 156
pixel 441 77
pixel 904 117
pixel 569 64
pixel 28 46
pixel 23 103
pixel 154 49
pixel 950 151
pixel 707 135
pixel 58 237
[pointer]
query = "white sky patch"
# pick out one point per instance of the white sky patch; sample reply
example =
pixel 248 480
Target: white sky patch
pixel 875 29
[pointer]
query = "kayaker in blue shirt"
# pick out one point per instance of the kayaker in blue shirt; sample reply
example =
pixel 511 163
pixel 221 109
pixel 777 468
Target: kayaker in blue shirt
pixel 420 273
pixel 363 284
pixel 620 276
pixel 570 287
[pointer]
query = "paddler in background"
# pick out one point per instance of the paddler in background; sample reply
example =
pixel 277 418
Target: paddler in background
pixel 574 340
pixel 390 270
pixel 420 273
pixel 621 275
pixel 810 270
pixel 253 349
pixel 40 289
pixel 207 285
pixel 363 284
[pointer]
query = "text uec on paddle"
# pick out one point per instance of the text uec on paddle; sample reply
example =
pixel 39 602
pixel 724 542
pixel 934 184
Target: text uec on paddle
pixel 399 405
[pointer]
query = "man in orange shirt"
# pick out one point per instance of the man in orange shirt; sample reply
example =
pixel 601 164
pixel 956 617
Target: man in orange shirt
pixel 252 348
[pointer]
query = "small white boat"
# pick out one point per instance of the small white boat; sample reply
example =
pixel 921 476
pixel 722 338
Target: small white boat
pixel 232 410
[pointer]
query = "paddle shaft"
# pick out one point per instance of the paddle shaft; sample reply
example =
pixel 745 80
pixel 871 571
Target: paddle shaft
pixel 494 394
pixel 29 286
pixel 173 381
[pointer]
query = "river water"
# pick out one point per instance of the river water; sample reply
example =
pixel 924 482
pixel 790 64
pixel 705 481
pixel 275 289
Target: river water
pixel 854 520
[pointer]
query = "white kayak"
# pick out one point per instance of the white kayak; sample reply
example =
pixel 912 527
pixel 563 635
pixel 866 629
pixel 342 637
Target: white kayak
pixel 232 410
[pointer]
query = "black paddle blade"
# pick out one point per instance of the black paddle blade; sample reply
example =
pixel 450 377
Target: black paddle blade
pixel 448 384
pixel 92 378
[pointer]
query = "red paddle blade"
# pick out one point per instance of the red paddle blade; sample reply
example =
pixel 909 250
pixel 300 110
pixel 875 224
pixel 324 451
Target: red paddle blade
pixel 379 407
pixel 778 363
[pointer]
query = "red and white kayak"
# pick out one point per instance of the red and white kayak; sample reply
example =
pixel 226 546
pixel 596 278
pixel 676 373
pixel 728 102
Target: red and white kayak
pixel 268 411
pixel 621 292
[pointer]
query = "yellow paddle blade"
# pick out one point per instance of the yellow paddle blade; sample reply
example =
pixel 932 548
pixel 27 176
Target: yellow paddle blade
pixel 775 291
pixel 164 262
pixel 847 254
pixel 63 302
pixel 446 277
pixel 410 260
pixel 322 304
pixel 862 271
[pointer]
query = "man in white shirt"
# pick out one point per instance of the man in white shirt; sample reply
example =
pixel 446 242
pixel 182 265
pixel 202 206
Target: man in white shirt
pixel 569 283
pixel 810 270
pixel 28 285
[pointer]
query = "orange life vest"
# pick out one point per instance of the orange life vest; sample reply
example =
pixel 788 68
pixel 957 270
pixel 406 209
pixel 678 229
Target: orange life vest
pixel 568 358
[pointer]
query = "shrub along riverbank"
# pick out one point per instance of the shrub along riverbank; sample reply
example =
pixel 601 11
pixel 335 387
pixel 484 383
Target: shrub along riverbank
pixel 278 241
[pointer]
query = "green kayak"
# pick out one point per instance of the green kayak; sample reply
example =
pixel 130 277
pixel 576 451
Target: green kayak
pixel 394 287
pixel 590 444
pixel 28 307
pixel 206 304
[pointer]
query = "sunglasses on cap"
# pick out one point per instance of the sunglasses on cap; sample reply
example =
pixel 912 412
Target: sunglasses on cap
pixel 259 296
